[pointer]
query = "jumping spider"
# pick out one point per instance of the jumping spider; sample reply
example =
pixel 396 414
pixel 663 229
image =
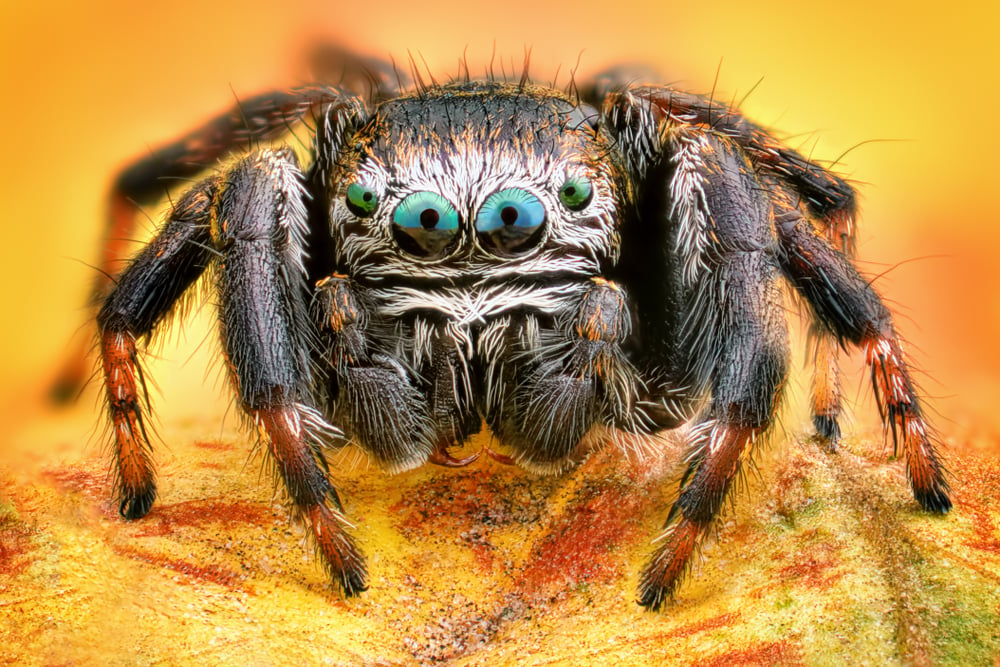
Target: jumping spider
pixel 482 251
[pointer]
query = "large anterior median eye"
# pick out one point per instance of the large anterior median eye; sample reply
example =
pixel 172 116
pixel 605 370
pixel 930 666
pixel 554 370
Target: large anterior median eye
pixel 425 224
pixel 510 221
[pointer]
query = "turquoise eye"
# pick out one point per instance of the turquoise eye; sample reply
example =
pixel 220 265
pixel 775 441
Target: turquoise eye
pixel 510 221
pixel 425 224
pixel 575 193
pixel 361 199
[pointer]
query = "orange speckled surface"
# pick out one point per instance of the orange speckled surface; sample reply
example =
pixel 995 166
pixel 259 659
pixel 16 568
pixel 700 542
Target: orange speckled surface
pixel 825 559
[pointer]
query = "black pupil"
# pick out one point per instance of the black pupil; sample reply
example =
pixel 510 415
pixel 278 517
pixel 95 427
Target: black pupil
pixel 509 215
pixel 570 191
pixel 367 196
pixel 429 218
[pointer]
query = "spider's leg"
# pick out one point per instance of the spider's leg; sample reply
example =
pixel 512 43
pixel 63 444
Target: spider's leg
pixel 826 393
pixel 259 226
pixel 734 329
pixel 371 78
pixel 851 310
pixel 147 180
pixel 143 295
pixel 374 400
pixel 709 304
pixel 255 119
pixel 831 201
pixel 615 79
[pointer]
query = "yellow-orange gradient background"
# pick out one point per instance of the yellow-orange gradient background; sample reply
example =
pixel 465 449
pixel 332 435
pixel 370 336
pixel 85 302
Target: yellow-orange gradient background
pixel 907 93
pixel 88 86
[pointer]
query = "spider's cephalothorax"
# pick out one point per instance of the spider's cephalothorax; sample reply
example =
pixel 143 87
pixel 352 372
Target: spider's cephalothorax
pixel 481 251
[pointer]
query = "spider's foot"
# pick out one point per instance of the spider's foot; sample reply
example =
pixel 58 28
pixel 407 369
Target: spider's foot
pixel 136 504
pixel 933 499
pixel 353 582
pixel 828 430
pixel 342 557
pixel 663 574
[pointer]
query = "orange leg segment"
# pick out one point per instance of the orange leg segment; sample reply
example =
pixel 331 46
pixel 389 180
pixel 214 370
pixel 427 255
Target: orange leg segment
pixel 134 478
pixel 901 415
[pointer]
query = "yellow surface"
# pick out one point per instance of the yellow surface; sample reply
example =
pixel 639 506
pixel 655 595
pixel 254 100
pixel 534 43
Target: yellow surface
pixel 827 560
pixel 826 557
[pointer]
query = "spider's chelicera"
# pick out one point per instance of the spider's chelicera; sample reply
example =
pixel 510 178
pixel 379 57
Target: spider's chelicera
pixel 553 266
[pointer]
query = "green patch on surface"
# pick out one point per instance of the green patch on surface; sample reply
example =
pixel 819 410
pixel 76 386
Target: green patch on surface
pixel 962 613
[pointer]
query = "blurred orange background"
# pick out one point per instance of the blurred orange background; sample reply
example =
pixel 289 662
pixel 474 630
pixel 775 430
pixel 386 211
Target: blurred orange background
pixel 88 86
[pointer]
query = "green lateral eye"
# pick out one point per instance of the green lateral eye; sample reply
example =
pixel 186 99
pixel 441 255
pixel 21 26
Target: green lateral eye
pixel 425 224
pixel 361 199
pixel 510 221
pixel 575 193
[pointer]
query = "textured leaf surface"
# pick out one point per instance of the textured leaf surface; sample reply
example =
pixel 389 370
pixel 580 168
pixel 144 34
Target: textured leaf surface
pixel 825 560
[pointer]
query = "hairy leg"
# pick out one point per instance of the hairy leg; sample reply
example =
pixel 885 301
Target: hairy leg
pixel 735 333
pixel 260 224
pixel 147 180
pixel 828 199
pixel 851 310
pixel 144 294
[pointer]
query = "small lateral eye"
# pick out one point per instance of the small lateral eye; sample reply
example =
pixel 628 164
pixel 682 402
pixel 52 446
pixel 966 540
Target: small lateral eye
pixel 510 221
pixel 425 224
pixel 361 199
pixel 575 193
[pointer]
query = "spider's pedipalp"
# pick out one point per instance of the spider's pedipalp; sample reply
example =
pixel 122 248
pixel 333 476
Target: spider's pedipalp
pixel 577 378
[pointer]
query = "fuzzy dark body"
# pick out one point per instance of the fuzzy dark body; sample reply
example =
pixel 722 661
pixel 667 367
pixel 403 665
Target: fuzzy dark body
pixel 655 302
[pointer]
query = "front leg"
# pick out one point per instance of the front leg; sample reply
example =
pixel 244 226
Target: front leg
pixel 732 333
pixel 258 227
pixel 748 374
pixel 147 180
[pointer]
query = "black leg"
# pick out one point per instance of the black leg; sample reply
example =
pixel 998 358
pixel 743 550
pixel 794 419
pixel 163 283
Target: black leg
pixel 850 309
pixel 144 294
pixel 840 232
pixel 259 227
pixel 255 119
pixel 371 78
pixel 146 181
pixel 734 330
pixel 829 198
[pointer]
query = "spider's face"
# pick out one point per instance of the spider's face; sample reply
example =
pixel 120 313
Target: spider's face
pixel 474 181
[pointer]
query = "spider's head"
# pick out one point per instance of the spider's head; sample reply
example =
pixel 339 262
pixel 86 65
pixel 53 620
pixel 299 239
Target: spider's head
pixel 477 180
